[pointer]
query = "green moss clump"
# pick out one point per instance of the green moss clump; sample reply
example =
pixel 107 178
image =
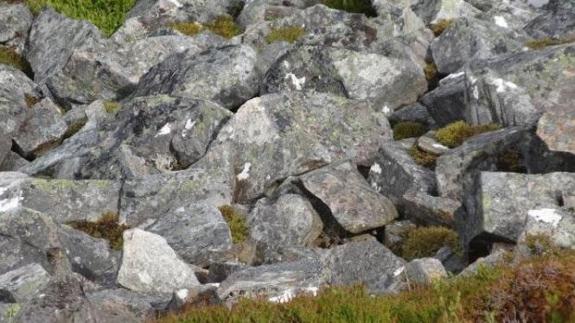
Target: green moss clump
pixel 236 222
pixel 540 244
pixel 456 133
pixel 187 28
pixel 547 41
pixel 106 15
pixel 224 26
pixel 408 129
pixel 107 227
pixel 426 241
pixel 430 71
pixel 353 6
pixel 288 34
pixel 423 158
pixel 8 56
pixel 439 27
pixel 112 107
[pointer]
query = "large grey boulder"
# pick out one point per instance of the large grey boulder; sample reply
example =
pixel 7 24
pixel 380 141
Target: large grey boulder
pixel 15 88
pixel 424 271
pixel 15 253
pixel 352 202
pixel 22 284
pixel 198 233
pixel 150 265
pixel 15 21
pixel 504 202
pixel 555 223
pixel 558 22
pixel 434 11
pixel 227 76
pixel 446 103
pixel 140 306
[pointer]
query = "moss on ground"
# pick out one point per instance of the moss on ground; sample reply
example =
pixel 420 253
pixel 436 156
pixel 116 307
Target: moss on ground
pixel 236 222
pixel 8 56
pixel 408 129
pixel 426 241
pixel 106 15
pixel 456 133
pixel 107 227
pixel 353 6
pixel 224 26
pixel 112 107
pixel 187 28
pixel 439 27
pixel 288 34
pixel 423 158
pixel 548 41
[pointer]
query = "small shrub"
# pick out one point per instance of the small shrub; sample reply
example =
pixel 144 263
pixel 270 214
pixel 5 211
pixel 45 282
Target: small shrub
pixel 439 27
pixel 540 244
pixel 456 133
pixel 107 227
pixel 548 41
pixel 106 15
pixel 423 158
pixel 288 34
pixel 112 107
pixel 236 222
pixel 187 28
pixel 224 26
pixel 353 6
pixel 8 56
pixel 408 129
pixel 430 71
pixel 426 241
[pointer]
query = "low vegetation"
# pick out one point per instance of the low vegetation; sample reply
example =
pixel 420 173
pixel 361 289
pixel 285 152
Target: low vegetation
pixel 107 227
pixel 537 290
pixel 423 158
pixel 353 6
pixel 106 15
pixel 8 56
pixel 236 222
pixel 112 107
pixel 426 241
pixel 408 129
pixel 548 41
pixel 288 34
pixel 224 26
pixel 439 27
pixel 511 161
pixel 454 134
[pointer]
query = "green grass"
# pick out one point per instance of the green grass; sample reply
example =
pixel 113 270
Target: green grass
pixel 353 6
pixel 288 34
pixel 236 222
pixel 426 241
pixel 408 129
pixel 454 134
pixel 423 158
pixel 8 56
pixel 107 227
pixel 107 15
pixel 539 290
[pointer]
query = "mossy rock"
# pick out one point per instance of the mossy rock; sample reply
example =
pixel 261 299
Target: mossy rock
pixel 236 222
pixel 288 34
pixel 426 241
pixel 422 157
pixel 224 26
pixel 454 134
pixel 187 28
pixel 112 107
pixel 548 41
pixel 9 56
pixel 408 129
pixel 107 227
pixel 439 27
pixel 353 6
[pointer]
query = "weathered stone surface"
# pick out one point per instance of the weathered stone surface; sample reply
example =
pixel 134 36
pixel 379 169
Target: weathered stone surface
pixel 15 253
pixel 446 103
pixel 352 202
pixel 204 295
pixel 396 232
pixel 198 233
pixel 289 221
pixel 557 224
pixel 430 210
pixel 12 162
pixel 141 306
pixel 429 144
pixel 424 271
pixel 150 265
pixel 15 21
pixel 559 22
pixel 15 87
pixel 435 11
pixel 414 112
pixel 22 284
pixel 226 76
pixel 504 201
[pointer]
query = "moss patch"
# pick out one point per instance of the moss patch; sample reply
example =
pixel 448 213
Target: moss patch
pixel 439 27
pixel 423 158
pixel 236 222
pixel 288 34
pixel 8 56
pixel 408 129
pixel 224 26
pixel 187 28
pixel 112 107
pixel 548 41
pixel 106 15
pixel 426 241
pixel 107 227
pixel 353 6
pixel 456 133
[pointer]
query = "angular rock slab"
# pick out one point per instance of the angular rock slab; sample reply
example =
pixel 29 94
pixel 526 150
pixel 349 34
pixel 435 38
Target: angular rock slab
pixel 24 283
pixel 149 265
pixel 15 88
pixel 557 224
pixel 352 202
pixel 15 21
pixel 425 271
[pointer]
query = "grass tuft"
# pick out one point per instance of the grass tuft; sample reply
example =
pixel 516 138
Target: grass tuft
pixel 423 158
pixel 112 107
pixel 353 6
pixel 107 15
pixel 439 27
pixel 236 222
pixel 426 241
pixel 288 34
pixel 456 133
pixel 107 227
pixel 187 28
pixel 408 129
pixel 8 56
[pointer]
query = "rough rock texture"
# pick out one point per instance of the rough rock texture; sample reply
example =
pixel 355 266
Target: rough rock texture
pixel 21 284
pixel 446 103
pixel 15 21
pixel 150 265
pixel 424 271
pixel 557 224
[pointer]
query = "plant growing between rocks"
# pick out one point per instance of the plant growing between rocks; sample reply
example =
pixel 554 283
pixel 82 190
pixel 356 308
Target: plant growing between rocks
pixel 454 134
pixel 426 241
pixel 288 34
pixel 9 56
pixel 224 26
pixel 236 222
pixel 408 129
pixel 423 158
pixel 439 27
pixel 107 227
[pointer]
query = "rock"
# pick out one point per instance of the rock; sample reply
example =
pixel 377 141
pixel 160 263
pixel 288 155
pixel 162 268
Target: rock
pixel 453 262
pixel 226 76
pixel 424 208
pixel 504 201
pixel 205 295
pixel 15 253
pixel 15 21
pixel 22 284
pixel 557 224
pixel 289 221
pixel 141 306
pixel 352 202
pixel 12 162
pixel 395 234
pixel 43 129
pixel 470 39
pixel 258 11
pixel 428 144
pixel 559 22
pixel 446 103
pixel 434 11
pixel 16 91
pixel 52 40
pixel 198 233
pixel 150 265
pixel 424 271
pixel 488 261
pixel 414 113
pixel 61 200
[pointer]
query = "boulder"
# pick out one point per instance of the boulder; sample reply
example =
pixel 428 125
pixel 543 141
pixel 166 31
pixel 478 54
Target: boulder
pixel 149 265
pixel 141 306
pixel 446 103
pixel 424 271
pixel 15 21
pixel 16 253
pixel 415 113
pixel 352 202
pixel 395 234
pixel 558 22
pixel 556 223
pixel 22 284
pixel 16 92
